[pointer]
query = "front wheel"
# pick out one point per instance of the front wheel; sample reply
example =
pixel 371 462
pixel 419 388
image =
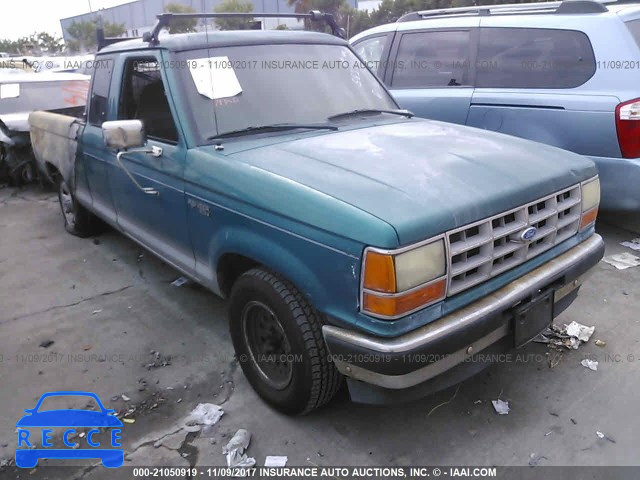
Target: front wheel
pixel 278 340
pixel 78 220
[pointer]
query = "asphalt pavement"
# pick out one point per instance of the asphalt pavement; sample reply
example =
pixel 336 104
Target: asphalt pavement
pixel 101 315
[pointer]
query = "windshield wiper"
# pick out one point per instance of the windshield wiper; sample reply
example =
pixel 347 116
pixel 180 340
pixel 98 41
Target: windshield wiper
pixel 278 127
pixel 404 113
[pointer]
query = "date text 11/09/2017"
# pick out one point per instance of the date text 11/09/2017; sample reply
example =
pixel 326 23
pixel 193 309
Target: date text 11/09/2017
pixel 314 472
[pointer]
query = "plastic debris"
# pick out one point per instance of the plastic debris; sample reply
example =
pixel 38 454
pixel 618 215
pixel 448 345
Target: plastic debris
pixel 581 332
pixel 634 244
pixel 180 281
pixel 535 458
pixel 569 336
pixel 590 364
pixel 95 312
pixel 205 414
pixel 605 436
pixel 129 420
pixel 600 343
pixel 46 343
pixel 622 261
pixel 555 356
pixel 275 461
pixel 234 450
pixel 501 407
pixel 125 398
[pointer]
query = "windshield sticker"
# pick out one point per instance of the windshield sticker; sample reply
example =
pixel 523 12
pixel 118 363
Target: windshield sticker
pixel 10 90
pixel 215 77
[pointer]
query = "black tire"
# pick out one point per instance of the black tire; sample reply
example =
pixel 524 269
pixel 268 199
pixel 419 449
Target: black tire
pixel 78 220
pixel 309 379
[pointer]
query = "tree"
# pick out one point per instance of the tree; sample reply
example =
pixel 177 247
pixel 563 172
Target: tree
pixel 47 43
pixel 235 6
pixel 85 34
pixel 9 46
pixel 36 43
pixel 184 25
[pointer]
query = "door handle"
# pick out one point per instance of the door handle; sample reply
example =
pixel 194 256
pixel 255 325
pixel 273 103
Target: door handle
pixel 153 151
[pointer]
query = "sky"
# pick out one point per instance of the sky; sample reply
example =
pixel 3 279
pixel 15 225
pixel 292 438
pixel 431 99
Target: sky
pixel 23 17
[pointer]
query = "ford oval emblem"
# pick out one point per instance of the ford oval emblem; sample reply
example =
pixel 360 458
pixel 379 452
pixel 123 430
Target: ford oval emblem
pixel 528 234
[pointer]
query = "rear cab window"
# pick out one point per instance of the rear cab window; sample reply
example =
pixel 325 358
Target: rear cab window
pixel 533 58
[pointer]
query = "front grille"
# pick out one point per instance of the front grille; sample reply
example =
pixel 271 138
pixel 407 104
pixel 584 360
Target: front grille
pixel 487 248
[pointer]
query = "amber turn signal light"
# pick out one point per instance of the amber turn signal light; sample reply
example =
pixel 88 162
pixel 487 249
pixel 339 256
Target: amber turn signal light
pixel 396 305
pixel 588 218
pixel 379 273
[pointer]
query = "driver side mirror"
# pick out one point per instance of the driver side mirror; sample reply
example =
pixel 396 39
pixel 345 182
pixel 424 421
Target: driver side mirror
pixel 124 134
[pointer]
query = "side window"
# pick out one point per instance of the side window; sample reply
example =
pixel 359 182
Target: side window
pixel 533 58
pixel 370 50
pixel 143 98
pixel 432 59
pixel 100 91
pixel 634 28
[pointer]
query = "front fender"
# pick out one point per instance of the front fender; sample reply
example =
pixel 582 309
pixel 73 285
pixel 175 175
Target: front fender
pixel 271 254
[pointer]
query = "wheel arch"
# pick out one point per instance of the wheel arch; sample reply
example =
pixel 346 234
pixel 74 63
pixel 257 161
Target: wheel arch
pixel 243 249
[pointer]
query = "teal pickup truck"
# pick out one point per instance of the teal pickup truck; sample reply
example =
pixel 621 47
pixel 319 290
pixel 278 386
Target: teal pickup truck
pixel 352 240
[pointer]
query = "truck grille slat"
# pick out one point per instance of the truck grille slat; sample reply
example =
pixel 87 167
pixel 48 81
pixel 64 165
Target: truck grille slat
pixel 484 249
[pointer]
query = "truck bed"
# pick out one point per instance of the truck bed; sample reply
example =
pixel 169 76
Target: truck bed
pixel 54 139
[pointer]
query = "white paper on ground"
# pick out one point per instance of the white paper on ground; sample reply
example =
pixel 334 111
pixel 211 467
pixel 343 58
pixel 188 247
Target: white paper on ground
pixel 633 244
pixel 214 77
pixel 581 332
pixel 622 261
pixel 9 90
pixel 275 461
pixel 590 364
pixel 501 407
pixel 205 414
pixel 234 450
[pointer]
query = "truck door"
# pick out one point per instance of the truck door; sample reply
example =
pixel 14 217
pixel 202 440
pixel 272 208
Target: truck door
pixel 157 218
pixel 431 71
pixel 93 159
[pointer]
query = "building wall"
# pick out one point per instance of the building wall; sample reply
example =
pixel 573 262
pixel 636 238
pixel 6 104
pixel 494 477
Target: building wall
pixel 139 16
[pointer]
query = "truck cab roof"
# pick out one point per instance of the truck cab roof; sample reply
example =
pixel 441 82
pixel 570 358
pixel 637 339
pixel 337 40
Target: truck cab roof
pixel 192 41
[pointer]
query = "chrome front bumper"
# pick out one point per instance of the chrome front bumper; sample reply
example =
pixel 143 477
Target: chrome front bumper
pixel 418 356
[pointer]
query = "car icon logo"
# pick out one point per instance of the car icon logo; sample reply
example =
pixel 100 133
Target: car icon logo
pixel 27 455
pixel 528 234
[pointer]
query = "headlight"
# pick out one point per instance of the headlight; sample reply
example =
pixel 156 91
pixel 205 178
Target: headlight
pixel 590 201
pixel 398 282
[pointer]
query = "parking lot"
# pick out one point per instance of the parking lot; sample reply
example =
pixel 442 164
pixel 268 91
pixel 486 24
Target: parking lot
pixel 101 315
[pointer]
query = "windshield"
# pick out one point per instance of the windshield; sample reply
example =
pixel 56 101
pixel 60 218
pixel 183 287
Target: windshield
pixel 235 88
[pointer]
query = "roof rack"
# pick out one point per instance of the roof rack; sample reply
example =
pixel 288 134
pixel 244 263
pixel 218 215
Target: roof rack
pixel 564 7
pixel 164 19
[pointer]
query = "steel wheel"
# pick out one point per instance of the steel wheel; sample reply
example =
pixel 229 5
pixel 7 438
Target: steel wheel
pixel 269 348
pixel 67 205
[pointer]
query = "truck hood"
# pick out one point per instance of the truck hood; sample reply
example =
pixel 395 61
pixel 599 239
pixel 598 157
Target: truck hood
pixel 422 177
